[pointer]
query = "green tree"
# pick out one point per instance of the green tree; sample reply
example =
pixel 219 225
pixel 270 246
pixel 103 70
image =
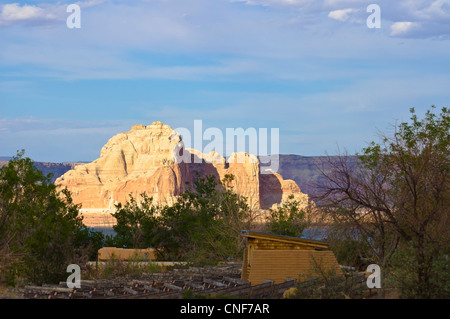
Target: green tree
pixel 202 226
pixel 188 223
pixel 137 223
pixel 288 219
pixel 416 164
pixel 40 230
pixel 346 196
pixel 399 196
pixel 233 215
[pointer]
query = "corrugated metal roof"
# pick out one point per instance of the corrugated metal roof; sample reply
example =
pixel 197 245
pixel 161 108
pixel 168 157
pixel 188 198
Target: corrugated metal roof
pixel 284 238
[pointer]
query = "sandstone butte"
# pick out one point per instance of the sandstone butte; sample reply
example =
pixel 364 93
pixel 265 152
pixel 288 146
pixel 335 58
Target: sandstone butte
pixel 142 160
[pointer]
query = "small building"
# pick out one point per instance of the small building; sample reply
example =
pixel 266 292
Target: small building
pixel 278 258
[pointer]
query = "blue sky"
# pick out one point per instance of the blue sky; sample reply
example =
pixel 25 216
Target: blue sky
pixel 313 69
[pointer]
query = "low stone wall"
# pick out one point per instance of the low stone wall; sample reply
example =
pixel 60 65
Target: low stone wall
pixel 107 253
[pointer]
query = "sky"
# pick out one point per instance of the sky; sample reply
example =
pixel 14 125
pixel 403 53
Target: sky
pixel 311 68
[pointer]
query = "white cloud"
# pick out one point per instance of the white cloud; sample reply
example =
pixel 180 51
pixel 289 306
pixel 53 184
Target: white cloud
pixel 42 14
pixel 128 39
pixel 410 18
pixel 341 15
pixel 14 13
pixel 437 9
pixel 403 28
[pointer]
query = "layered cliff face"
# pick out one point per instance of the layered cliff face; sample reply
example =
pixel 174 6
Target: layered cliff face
pixel 244 167
pixel 146 159
pixel 130 163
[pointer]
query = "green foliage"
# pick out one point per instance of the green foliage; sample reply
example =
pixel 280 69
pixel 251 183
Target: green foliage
pixel 190 222
pixel 136 223
pixel 114 267
pixel 398 198
pixel 40 230
pixel 415 165
pixel 288 219
pixel 90 240
pixel 413 138
pixel 350 250
pixel 405 270
pixel 202 226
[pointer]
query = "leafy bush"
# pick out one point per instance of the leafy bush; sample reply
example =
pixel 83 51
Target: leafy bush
pixel 288 219
pixel 40 230
pixel 202 226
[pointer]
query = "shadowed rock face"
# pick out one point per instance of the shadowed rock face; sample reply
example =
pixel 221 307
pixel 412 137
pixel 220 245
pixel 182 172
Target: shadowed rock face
pixel 146 159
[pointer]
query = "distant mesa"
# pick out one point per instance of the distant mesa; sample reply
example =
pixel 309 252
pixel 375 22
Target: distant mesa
pixel 56 169
pixel 142 160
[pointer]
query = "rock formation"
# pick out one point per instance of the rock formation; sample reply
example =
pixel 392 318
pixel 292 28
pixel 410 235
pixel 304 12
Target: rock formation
pixel 147 159
pixel 275 190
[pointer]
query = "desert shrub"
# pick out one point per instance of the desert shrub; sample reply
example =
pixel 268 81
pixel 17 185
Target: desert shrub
pixel 41 232
pixel 288 219
pixel 202 226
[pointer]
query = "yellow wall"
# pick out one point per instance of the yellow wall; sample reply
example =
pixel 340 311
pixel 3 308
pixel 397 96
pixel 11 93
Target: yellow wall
pixel 277 265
